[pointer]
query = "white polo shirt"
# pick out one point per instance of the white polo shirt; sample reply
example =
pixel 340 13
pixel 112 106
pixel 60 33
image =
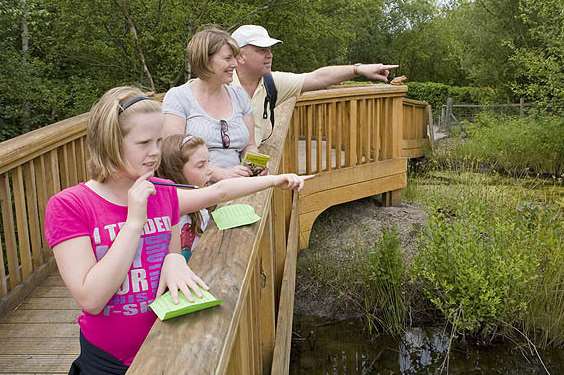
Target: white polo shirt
pixel 287 85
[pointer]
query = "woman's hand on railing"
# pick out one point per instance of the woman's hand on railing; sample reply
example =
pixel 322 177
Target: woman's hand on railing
pixel 291 181
pixel 176 275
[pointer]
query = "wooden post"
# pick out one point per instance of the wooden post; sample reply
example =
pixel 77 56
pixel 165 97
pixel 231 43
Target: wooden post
pixel 522 107
pixel 430 129
pixel 442 117
pixel 267 317
pixel 448 114
pixel 392 198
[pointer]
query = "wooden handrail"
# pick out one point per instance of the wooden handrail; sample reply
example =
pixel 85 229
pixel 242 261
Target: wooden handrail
pixel 351 92
pixel 18 150
pixel 415 102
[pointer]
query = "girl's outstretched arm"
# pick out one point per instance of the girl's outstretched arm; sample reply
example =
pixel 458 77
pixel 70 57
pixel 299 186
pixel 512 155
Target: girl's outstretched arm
pixel 232 188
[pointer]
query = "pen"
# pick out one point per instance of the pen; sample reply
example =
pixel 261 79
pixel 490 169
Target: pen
pixel 182 186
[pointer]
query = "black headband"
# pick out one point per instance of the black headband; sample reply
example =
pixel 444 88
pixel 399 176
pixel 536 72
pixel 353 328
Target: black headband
pixel 123 105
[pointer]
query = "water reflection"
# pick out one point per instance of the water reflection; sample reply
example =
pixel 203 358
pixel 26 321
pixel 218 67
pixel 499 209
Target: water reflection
pixel 343 348
pixel 420 349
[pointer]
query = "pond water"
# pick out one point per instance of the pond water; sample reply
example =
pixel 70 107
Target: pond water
pixel 331 348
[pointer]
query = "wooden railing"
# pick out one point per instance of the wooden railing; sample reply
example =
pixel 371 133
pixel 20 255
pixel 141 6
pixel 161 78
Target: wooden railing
pixel 243 267
pixel 33 167
pixel 417 124
pixel 363 123
pixel 350 137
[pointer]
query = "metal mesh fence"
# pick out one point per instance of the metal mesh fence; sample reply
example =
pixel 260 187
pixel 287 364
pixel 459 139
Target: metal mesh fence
pixel 453 115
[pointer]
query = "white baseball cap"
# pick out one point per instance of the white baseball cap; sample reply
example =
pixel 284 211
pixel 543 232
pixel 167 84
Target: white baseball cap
pixel 254 35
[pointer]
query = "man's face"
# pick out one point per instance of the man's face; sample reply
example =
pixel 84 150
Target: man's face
pixel 257 60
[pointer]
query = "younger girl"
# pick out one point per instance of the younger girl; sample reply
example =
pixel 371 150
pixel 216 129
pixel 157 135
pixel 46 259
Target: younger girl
pixel 185 161
pixel 116 238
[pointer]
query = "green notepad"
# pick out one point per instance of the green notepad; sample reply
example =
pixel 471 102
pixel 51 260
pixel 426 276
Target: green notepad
pixel 256 161
pixel 234 215
pixel 165 308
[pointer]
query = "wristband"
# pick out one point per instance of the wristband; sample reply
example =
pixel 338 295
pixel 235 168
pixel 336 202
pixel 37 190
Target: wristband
pixel 355 69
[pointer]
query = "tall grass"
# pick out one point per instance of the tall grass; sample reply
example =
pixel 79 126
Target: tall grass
pixel 517 146
pixel 365 282
pixel 386 284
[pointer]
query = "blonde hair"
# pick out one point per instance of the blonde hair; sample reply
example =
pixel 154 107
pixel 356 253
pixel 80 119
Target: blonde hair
pixel 203 45
pixel 105 132
pixel 175 152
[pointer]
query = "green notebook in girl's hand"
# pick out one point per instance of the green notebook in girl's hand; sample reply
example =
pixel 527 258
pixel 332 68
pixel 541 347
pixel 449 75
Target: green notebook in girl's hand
pixel 166 309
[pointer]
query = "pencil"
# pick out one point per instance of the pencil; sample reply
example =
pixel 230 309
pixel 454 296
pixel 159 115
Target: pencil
pixel 181 186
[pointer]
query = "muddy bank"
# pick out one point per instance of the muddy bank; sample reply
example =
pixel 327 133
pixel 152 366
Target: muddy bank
pixel 338 235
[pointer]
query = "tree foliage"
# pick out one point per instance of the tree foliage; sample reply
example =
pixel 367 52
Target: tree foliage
pixel 59 55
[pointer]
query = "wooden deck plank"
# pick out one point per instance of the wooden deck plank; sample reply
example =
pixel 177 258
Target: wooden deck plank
pixel 32 364
pixel 49 304
pixel 39 345
pixel 51 292
pixel 10 330
pixel 41 316
pixel 53 280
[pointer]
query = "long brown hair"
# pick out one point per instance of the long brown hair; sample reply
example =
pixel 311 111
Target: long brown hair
pixel 176 150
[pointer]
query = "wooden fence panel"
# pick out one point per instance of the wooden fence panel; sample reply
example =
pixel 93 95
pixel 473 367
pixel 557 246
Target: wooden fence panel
pixel 22 223
pixel 14 276
pixel 33 213
pixel 3 279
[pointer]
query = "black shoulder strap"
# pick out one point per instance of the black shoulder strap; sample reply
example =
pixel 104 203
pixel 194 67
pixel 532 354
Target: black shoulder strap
pixel 271 97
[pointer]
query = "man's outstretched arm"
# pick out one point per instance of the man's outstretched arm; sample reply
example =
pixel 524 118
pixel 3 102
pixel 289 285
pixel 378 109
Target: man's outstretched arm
pixel 331 75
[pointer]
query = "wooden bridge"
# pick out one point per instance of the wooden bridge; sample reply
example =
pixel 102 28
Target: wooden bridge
pixel 355 139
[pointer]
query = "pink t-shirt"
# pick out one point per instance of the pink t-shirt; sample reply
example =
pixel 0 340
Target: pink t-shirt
pixel 122 326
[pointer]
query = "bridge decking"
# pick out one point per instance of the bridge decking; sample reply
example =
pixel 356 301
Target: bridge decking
pixel 41 335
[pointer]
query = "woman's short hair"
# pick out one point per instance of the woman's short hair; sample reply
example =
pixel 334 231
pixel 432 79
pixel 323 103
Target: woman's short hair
pixel 105 131
pixel 203 45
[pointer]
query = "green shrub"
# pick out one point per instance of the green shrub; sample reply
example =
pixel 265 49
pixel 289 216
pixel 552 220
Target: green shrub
pixel 491 257
pixel 436 94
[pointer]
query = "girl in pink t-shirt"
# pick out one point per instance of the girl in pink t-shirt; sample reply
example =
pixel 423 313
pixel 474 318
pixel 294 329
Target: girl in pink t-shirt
pixel 116 238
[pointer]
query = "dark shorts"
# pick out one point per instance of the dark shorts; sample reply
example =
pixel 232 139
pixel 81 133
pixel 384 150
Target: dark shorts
pixel 94 361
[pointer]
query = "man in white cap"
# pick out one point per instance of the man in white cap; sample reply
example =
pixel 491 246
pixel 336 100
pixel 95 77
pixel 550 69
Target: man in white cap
pixel 255 62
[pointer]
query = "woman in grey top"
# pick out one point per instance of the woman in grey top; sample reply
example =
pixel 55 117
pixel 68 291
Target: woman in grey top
pixel 210 108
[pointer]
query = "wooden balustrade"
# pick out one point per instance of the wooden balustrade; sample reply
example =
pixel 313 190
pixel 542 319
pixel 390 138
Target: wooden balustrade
pixel 348 126
pixel 417 123
pixel 351 137
pixel 33 167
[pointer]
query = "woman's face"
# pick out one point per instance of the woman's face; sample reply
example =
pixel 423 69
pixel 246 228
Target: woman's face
pixel 141 146
pixel 196 170
pixel 223 63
